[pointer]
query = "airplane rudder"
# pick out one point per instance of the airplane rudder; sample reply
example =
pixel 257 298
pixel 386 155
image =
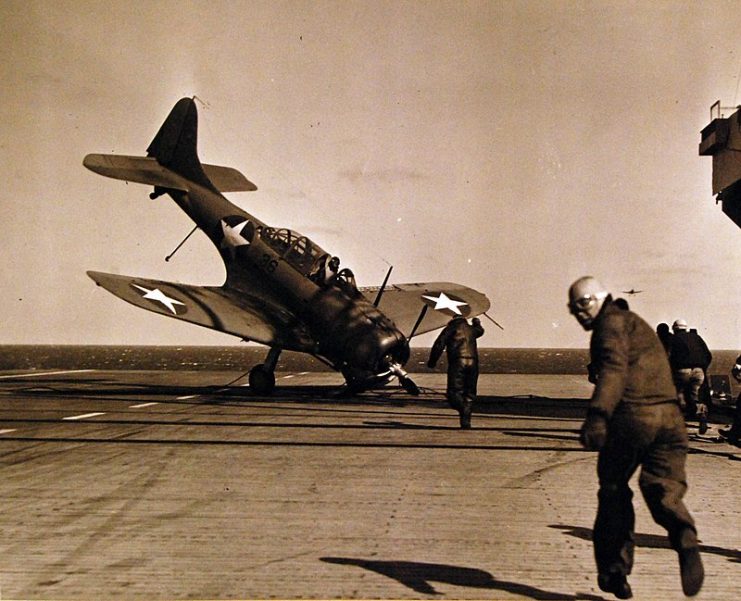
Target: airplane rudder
pixel 175 145
pixel 182 118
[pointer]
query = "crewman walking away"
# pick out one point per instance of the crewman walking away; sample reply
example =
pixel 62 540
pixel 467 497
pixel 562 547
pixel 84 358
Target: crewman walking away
pixel 690 359
pixel 633 420
pixel 458 339
pixel 665 335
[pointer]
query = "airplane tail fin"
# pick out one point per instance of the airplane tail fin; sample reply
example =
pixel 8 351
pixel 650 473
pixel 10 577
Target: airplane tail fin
pixel 174 146
pixel 172 160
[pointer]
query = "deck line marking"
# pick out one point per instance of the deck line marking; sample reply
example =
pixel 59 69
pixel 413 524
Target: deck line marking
pixel 142 405
pixel 45 373
pixel 7 431
pixel 83 416
pixel 185 398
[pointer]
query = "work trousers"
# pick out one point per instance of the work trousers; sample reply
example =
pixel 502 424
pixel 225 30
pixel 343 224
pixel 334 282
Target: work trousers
pixel 688 382
pixel 463 375
pixel 653 437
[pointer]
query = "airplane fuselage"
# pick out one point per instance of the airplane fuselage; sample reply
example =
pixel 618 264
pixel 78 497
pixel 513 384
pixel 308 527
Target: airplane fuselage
pixel 349 331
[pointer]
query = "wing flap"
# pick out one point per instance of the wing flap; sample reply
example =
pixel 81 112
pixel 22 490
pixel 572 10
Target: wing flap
pixel 217 308
pixel 403 303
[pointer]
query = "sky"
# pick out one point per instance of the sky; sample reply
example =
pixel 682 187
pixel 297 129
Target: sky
pixel 508 146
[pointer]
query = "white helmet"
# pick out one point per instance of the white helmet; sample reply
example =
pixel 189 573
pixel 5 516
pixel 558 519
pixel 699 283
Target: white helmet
pixel 586 297
pixel 680 324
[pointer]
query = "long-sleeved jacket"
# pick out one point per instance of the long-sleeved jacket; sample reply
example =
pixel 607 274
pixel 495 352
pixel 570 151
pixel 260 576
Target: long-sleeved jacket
pixel 459 339
pixel 689 350
pixel 631 363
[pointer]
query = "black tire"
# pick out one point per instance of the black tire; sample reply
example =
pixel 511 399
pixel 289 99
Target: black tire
pixel 261 380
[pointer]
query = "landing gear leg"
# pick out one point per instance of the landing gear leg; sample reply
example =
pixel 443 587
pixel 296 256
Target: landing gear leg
pixel 262 376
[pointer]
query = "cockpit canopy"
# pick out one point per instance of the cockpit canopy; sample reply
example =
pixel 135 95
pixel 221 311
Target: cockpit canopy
pixel 297 250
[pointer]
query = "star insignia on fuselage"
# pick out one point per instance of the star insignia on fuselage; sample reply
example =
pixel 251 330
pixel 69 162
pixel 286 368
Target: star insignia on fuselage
pixel 233 237
pixel 155 294
pixel 444 302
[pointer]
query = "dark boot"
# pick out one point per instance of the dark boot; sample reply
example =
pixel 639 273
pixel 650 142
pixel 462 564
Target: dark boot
pixel 690 566
pixel 615 583
pixel 465 413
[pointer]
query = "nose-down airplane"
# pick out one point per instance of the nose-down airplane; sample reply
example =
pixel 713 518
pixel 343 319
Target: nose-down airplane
pixel 282 290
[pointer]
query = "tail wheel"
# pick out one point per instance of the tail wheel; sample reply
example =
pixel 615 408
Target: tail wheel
pixel 262 380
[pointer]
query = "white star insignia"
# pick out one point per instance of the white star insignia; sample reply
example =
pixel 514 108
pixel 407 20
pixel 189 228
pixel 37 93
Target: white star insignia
pixel 157 295
pixel 233 236
pixel 443 301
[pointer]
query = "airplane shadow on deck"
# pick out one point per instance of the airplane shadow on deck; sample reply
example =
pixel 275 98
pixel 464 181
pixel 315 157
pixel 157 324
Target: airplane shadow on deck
pixel 325 398
pixel 96 386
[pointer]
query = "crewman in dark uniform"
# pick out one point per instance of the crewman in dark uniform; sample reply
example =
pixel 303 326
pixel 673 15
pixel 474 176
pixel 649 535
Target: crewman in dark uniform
pixel 458 338
pixel 733 434
pixel 633 420
pixel 690 358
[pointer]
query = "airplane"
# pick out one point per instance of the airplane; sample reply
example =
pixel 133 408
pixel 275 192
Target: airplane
pixel 632 291
pixel 282 290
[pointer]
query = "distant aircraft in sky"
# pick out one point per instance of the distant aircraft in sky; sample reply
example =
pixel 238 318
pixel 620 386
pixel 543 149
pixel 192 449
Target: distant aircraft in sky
pixel 282 289
pixel 632 291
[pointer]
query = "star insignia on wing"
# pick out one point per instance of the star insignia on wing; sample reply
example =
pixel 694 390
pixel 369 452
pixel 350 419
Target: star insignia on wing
pixel 157 295
pixel 233 237
pixel 443 301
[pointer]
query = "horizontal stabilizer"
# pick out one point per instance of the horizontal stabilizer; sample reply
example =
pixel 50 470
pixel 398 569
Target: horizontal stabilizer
pixel 146 170
pixel 228 179
pixel 141 170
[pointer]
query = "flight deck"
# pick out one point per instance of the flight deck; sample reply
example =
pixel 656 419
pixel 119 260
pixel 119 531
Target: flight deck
pixel 171 485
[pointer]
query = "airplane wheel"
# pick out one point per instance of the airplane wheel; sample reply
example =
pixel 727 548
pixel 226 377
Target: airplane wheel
pixel 261 380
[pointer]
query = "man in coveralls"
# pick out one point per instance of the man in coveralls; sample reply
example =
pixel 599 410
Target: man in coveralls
pixel 633 420
pixel 458 338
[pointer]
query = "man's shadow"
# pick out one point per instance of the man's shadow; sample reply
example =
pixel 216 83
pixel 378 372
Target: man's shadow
pixel 651 541
pixel 418 576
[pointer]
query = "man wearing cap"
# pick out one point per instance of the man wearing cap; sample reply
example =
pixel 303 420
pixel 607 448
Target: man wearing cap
pixel 690 359
pixel 633 420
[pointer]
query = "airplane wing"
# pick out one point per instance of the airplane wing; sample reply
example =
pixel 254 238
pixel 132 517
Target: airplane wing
pixel 217 308
pixel 403 303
